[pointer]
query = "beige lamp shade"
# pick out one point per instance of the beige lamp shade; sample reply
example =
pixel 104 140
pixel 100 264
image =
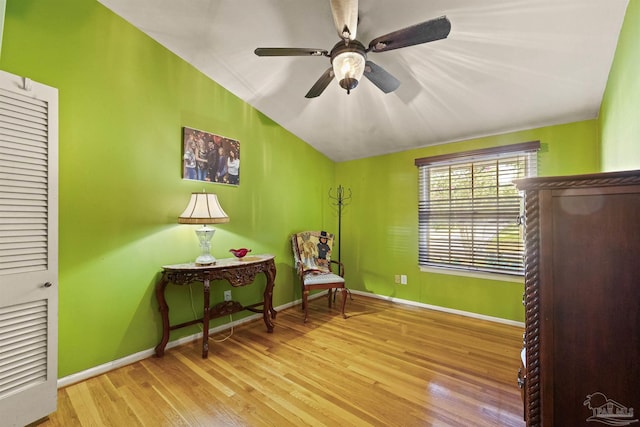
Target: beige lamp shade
pixel 203 208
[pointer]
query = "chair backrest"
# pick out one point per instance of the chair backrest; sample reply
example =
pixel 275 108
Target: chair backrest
pixel 312 250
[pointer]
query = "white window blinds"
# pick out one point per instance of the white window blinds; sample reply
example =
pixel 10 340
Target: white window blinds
pixel 469 210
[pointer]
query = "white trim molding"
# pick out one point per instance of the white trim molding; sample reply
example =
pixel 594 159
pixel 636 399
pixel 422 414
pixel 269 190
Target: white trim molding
pixel 443 309
pixel 477 274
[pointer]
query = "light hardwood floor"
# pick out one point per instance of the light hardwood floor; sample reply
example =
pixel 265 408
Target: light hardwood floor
pixel 386 365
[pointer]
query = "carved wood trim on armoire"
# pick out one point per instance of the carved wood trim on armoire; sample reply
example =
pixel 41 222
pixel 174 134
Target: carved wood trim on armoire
pixel 582 299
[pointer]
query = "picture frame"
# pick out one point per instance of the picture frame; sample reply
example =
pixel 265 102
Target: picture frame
pixel 209 157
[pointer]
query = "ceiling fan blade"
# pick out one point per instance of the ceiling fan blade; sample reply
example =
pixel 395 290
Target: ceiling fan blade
pixel 289 51
pixel 345 16
pixel 321 84
pixel 380 77
pixel 435 29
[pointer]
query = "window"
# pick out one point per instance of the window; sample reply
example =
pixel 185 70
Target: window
pixel 469 210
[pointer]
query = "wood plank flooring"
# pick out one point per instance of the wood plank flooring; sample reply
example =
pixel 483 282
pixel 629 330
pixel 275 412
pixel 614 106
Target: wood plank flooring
pixel 386 365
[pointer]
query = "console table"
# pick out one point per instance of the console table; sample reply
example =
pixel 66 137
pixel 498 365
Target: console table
pixel 238 272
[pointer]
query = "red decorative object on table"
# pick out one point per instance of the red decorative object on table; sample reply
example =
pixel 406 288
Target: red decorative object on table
pixel 239 253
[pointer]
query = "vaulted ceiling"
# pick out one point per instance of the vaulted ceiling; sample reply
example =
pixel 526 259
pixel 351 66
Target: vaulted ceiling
pixel 507 65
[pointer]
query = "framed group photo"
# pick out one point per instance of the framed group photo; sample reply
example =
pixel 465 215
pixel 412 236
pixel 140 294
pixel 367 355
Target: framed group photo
pixel 209 157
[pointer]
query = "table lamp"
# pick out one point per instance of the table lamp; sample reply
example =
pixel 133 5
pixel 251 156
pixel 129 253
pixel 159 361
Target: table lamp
pixel 204 208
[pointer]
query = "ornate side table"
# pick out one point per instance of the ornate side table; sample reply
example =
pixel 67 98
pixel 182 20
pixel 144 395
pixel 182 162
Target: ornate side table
pixel 238 272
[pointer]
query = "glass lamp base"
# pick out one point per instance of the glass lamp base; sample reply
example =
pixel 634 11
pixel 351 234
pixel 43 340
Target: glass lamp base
pixel 205 234
pixel 205 260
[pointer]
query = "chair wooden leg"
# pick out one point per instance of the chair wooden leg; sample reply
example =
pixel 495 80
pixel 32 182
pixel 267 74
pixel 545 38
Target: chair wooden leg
pixel 344 301
pixel 305 304
pixel 329 296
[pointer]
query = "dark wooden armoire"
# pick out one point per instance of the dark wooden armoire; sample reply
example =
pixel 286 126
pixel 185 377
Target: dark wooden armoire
pixel 582 300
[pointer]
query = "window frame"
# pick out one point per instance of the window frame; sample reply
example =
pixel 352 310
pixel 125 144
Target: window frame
pixel 429 212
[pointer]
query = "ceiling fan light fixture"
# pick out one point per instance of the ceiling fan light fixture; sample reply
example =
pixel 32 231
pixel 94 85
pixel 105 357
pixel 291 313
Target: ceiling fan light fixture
pixel 348 68
pixel 348 62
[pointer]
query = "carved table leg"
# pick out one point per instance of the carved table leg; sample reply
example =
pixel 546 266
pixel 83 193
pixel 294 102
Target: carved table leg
pixel 268 312
pixel 164 313
pixel 205 319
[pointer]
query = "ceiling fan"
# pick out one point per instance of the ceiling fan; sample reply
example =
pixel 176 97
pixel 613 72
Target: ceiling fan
pixel 349 57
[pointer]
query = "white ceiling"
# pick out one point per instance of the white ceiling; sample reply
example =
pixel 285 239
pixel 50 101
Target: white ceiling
pixel 507 65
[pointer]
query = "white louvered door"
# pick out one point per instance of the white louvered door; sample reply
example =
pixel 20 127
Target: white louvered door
pixel 28 250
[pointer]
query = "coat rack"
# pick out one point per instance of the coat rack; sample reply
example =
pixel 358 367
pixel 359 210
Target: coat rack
pixel 340 199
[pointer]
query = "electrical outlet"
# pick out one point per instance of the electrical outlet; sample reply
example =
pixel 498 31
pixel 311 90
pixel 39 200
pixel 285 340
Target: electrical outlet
pixel 397 278
pixel 227 295
pixel 403 279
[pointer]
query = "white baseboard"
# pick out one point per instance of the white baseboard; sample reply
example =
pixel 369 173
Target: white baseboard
pixel 127 360
pixel 443 309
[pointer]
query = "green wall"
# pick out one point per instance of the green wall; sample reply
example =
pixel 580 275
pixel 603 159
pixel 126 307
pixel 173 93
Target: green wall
pixel 620 110
pixel 380 226
pixel 123 101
